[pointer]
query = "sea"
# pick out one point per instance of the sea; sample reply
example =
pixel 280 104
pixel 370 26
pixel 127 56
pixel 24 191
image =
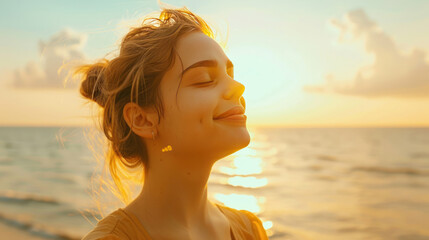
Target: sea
pixel 303 183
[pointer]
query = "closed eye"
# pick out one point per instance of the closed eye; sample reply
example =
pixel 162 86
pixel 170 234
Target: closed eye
pixel 206 76
pixel 204 82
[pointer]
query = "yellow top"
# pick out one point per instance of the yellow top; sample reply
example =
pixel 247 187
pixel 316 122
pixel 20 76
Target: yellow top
pixel 120 225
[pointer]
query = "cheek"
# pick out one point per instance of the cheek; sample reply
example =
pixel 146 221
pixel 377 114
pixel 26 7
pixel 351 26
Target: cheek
pixel 189 116
pixel 198 107
pixel 198 112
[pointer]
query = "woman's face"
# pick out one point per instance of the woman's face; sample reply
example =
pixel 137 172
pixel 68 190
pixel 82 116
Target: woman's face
pixel 188 125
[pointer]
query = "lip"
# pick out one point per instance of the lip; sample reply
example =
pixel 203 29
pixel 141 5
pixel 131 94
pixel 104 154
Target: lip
pixel 233 113
pixel 234 118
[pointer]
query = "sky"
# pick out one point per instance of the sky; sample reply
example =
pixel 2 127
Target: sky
pixel 303 63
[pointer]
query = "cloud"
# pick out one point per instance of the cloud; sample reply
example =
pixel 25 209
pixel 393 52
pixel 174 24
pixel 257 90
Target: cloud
pixel 61 49
pixel 393 73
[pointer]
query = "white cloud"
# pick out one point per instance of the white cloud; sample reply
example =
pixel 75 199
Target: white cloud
pixel 61 49
pixel 393 73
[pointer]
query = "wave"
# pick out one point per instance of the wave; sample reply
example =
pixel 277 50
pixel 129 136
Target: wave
pixel 324 157
pixel 391 170
pixel 419 155
pixel 5 161
pixel 36 229
pixel 25 198
pixel 57 177
pixel 87 213
pixel 325 178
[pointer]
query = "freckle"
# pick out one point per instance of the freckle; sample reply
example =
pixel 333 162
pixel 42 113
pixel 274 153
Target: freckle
pixel 189 173
pixel 160 159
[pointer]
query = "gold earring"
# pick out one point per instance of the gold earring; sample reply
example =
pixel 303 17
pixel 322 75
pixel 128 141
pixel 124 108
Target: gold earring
pixel 167 149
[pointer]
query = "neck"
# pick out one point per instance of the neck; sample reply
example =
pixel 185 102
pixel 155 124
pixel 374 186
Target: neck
pixel 177 192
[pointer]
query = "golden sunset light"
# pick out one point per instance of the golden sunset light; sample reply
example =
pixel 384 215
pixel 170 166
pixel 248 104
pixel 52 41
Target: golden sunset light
pixel 234 120
pixel 355 67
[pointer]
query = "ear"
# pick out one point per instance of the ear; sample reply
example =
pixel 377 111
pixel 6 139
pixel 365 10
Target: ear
pixel 141 121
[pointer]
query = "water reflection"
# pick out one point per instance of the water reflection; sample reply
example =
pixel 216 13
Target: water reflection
pixel 244 165
pixel 248 182
pixel 240 201
pixel 241 173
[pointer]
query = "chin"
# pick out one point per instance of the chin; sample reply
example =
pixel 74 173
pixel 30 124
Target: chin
pixel 239 140
pixel 231 146
pixel 246 139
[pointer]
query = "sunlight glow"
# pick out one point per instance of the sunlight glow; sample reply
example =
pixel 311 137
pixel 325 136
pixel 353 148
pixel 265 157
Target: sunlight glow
pixel 248 182
pixel 267 224
pixel 240 201
pixel 244 165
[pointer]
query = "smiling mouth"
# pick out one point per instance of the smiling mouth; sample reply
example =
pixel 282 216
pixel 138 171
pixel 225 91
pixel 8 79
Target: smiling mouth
pixel 235 117
pixel 232 113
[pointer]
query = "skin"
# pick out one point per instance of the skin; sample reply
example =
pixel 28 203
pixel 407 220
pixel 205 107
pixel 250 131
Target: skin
pixel 173 203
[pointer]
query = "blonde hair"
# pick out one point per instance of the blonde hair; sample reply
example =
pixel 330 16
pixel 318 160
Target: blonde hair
pixel 146 53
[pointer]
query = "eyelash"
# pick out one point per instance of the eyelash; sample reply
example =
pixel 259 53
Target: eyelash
pixel 212 80
pixel 205 82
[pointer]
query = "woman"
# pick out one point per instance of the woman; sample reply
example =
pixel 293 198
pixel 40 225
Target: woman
pixel 172 108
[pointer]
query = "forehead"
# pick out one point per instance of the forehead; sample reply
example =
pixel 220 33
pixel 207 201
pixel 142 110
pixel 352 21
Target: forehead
pixel 196 46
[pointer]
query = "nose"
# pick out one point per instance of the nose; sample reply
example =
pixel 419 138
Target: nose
pixel 235 91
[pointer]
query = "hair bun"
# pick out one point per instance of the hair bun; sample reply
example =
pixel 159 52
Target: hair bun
pixel 92 85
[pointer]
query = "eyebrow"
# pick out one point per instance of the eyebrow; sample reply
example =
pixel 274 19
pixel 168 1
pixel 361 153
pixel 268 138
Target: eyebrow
pixel 209 64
